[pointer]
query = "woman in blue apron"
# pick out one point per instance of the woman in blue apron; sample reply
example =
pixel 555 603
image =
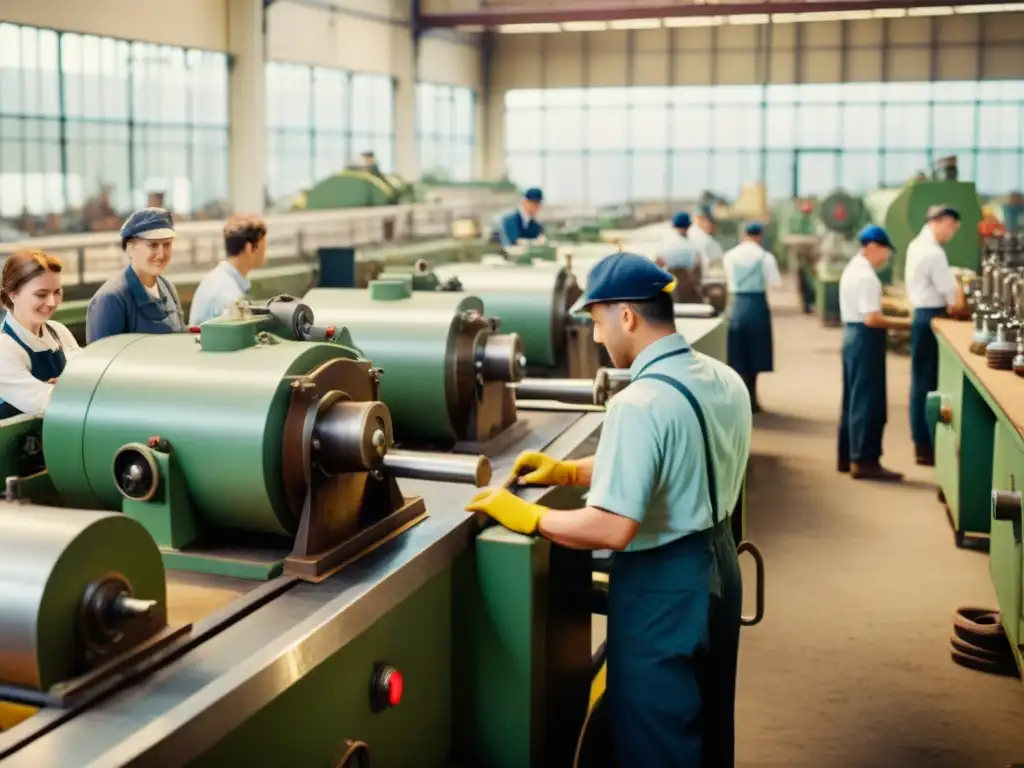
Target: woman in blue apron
pixel 139 299
pixel 865 331
pixel 33 348
pixel 749 271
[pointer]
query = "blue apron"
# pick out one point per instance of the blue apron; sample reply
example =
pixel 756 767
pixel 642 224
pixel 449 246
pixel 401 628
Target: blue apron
pixel 673 640
pixel 924 371
pixel 865 410
pixel 750 323
pixel 45 365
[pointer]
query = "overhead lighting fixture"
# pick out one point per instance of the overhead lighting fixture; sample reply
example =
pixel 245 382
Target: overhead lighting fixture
pixel 889 13
pixel 936 10
pixel 584 26
pixel 989 8
pixel 635 24
pixel 750 18
pixel 472 28
pixel 528 29
pixel 695 21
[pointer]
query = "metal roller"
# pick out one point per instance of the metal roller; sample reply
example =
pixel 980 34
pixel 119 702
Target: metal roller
pixel 441 467
pixel 596 391
pixel 693 310
pixel 76 589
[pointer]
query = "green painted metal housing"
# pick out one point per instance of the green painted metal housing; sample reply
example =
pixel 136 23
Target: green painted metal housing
pixel 412 338
pixel 356 189
pixel 222 412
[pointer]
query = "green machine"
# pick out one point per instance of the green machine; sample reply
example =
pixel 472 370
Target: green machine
pixel 394 629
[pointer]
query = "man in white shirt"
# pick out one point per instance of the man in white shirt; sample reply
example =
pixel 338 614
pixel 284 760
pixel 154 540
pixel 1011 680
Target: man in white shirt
pixel 700 235
pixel 932 290
pixel 864 408
pixel 245 241
pixel 684 261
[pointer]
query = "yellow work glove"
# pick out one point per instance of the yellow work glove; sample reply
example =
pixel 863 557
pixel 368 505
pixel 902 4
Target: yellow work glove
pixel 508 509
pixel 536 468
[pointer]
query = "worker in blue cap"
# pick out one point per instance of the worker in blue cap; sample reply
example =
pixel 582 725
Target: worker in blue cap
pixel 683 260
pixel 932 291
pixel 701 234
pixel 666 476
pixel 139 299
pixel 522 224
pixel 865 330
pixel 750 271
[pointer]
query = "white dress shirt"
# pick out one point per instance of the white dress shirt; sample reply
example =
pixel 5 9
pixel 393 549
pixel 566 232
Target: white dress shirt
pixel 17 384
pixel 740 259
pixel 930 282
pixel 860 290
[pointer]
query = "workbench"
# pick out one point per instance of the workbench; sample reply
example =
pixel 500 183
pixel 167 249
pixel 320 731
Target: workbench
pixel 978 414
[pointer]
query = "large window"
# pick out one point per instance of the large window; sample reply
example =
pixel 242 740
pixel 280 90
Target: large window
pixel 446 130
pixel 319 120
pixel 603 145
pixel 91 127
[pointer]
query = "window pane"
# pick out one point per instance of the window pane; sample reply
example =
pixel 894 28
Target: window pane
pixel 649 128
pixel 906 126
pixel 525 169
pixel 736 127
pixel 780 126
pixel 862 126
pixel 902 166
pixel 818 126
pixel 691 127
pixel 607 128
pixel 650 176
pixel 998 172
pixel 523 129
pixel 858 171
pixel 953 125
pixel 816 173
pixel 999 125
pixel 689 175
pixel 563 128
pixel 607 178
pixel 563 179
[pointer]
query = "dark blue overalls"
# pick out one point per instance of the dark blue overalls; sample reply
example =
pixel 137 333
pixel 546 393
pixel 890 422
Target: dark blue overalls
pixel 924 372
pixel 673 639
pixel 865 410
pixel 45 365
pixel 750 326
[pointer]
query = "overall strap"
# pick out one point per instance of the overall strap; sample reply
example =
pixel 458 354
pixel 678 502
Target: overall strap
pixel 6 329
pixel 659 358
pixel 757 268
pixel 688 394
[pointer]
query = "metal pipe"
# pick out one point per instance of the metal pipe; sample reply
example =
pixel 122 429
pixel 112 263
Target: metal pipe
pixel 694 310
pixel 440 467
pixel 574 391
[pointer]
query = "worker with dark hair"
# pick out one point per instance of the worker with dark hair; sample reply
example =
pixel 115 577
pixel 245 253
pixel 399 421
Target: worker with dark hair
pixel 245 241
pixel 932 291
pixel 667 474
pixel 749 271
pixel 683 260
pixel 139 299
pixel 864 408
pixel 522 224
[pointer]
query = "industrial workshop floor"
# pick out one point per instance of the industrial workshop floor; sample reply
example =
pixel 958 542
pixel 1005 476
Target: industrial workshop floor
pixel 851 664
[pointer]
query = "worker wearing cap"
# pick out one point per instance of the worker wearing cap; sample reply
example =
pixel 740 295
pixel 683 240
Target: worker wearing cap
pixel 245 240
pixel 668 472
pixel 701 232
pixel 139 299
pixel 864 409
pixel 683 260
pixel 931 290
pixel 749 271
pixel 522 224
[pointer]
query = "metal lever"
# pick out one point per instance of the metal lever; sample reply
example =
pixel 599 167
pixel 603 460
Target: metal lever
pixel 747 546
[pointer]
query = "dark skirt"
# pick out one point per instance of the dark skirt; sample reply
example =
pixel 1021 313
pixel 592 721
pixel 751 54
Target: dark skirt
pixel 750 334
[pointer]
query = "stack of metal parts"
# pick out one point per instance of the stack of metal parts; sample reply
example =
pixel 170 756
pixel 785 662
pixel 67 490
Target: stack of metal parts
pixel 997 304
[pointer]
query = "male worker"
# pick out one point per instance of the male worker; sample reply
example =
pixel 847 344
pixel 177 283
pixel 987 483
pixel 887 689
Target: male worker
pixel 667 474
pixel 931 289
pixel 864 409
pixel 684 261
pixel 522 224
pixel 749 271
pixel 245 240
pixel 700 234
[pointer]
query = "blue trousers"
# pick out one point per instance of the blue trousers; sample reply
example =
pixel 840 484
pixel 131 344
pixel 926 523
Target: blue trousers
pixel 924 371
pixel 865 410
pixel 673 643
pixel 750 334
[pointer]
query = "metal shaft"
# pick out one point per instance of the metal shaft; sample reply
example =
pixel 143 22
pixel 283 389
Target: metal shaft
pixel 440 467
pixel 574 391
pixel 694 310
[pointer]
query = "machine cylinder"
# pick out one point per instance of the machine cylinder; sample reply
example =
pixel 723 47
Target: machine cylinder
pixel 429 346
pixel 352 436
pixel 501 358
pixel 440 467
pixel 596 391
pixel 76 588
pixel 222 414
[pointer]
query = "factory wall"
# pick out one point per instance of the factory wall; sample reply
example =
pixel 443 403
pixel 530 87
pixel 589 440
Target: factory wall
pixel 803 107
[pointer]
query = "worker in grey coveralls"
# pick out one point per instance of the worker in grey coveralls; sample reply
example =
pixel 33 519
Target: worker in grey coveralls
pixel 666 477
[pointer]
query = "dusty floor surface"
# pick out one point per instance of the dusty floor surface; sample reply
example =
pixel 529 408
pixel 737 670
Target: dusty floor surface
pixel 851 665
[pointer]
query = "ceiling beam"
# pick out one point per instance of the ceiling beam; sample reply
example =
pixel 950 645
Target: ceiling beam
pixel 565 12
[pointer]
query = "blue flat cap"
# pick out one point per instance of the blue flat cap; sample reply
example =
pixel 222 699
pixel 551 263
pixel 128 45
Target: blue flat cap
pixel 681 220
pixel 624 277
pixel 534 194
pixel 873 233
pixel 753 228
pixel 941 211
pixel 148 224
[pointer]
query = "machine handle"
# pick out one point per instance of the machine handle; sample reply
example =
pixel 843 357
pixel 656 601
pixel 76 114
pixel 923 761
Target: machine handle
pixel 1006 505
pixel 747 546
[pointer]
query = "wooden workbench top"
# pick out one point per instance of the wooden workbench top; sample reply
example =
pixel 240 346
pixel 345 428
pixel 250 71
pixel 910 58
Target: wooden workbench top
pixel 1004 387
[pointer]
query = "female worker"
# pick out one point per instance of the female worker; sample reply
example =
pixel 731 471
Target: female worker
pixel 140 299
pixel 749 271
pixel 33 348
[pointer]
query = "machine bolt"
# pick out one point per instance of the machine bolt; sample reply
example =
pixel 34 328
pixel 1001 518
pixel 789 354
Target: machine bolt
pixel 379 441
pixel 314 444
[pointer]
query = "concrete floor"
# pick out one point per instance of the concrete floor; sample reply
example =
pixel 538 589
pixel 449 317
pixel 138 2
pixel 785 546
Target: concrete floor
pixel 851 665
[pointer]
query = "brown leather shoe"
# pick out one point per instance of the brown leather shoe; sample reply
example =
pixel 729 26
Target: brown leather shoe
pixel 924 455
pixel 874 471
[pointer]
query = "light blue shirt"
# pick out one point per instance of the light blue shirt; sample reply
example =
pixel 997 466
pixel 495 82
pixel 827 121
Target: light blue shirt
pixel 749 268
pixel 221 288
pixel 650 464
pixel 679 252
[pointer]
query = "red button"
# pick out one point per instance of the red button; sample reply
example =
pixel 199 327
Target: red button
pixel 329 332
pixel 193 329
pixel 396 685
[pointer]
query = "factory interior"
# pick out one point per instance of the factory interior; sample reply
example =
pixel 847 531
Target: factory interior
pixel 252 547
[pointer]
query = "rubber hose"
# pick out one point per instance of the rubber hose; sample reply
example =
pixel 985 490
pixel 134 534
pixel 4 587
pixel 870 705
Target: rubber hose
pixel 969 648
pixel 1005 669
pixel 980 627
